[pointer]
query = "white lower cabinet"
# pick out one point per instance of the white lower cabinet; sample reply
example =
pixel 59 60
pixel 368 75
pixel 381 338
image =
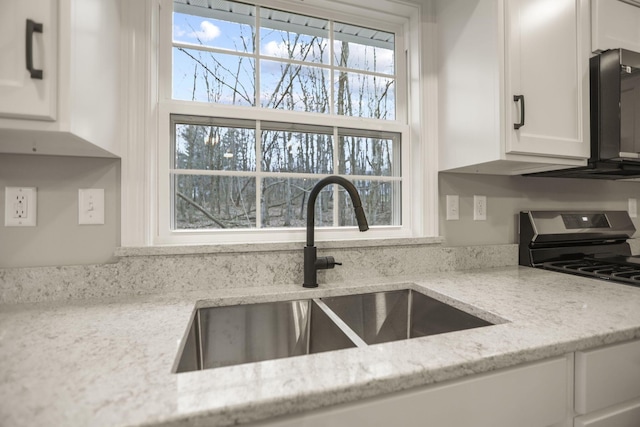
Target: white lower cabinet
pixel 593 388
pixel 608 386
pixel 625 415
pixel 534 395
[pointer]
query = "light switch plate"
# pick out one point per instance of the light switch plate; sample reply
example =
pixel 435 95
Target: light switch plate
pixel 20 206
pixel 90 206
pixel 633 208
pixel 453 207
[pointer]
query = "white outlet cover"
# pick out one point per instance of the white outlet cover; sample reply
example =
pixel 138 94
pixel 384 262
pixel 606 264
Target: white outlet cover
pixel 633 208
pixel 479 208
pixel 91 206
pixel 20 206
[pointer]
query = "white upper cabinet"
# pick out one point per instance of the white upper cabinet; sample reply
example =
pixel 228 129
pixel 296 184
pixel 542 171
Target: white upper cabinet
pixel 68 103
pixel 615 25
pixel 513 85
pixel 28 38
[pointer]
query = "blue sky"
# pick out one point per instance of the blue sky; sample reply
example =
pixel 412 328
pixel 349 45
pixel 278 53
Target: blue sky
pixel 236 37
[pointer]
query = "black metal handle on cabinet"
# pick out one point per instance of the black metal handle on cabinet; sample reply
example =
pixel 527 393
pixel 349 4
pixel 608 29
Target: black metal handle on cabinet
pixel 32 27
pixel 520 98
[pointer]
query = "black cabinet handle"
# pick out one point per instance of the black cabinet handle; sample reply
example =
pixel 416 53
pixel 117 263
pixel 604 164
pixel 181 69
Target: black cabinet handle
pixel 520 98
pixel 32 27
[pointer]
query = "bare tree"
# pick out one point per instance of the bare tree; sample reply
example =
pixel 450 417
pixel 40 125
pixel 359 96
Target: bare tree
pixel 229 201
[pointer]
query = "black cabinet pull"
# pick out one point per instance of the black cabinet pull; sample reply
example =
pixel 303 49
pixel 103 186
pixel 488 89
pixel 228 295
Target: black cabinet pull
pixel 32 27
pixel 520 98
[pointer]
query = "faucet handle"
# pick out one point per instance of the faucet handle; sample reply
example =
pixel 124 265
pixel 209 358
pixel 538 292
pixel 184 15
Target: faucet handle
pixel 326 262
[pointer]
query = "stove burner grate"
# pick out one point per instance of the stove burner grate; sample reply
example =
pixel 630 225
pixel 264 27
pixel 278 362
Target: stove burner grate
pixel 602 270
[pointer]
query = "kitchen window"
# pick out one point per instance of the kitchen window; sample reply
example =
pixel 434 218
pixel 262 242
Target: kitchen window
pixel 257 102
pixel 222 179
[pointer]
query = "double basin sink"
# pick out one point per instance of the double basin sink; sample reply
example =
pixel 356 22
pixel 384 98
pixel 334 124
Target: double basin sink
pixel 232 335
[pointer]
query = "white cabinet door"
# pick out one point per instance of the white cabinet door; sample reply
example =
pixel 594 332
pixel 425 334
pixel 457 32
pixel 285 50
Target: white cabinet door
pixel 547 68
pixel 21 95
pixel 625 415
pixel 74 109
pixel 607 376
pixel 490 51
pixel 535 395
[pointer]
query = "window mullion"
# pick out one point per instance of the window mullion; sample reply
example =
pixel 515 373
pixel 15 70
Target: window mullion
pixel 259 178
pixel 396 213
pixel 336 189
pixel 259 175
pixel 332 77
pixel 256 56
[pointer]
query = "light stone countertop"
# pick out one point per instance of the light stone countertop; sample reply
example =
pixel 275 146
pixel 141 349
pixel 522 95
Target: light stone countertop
pixel 108 362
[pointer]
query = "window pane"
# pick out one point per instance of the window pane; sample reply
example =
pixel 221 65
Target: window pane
pixel 285 203
pixel 211 32
pixel 363 95
pixel 379 200
pixel 364 48
pixel 213 77
pixel 214 202
pixel 290 36
pixel 217 29
pixel 294 87
pixel 284 151
pixel 366 156
pixel 214 148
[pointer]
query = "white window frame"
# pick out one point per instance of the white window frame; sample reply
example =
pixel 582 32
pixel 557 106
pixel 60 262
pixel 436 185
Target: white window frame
pixel 146 215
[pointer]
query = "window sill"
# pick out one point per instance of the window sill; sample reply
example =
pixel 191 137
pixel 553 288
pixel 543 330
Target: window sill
pixel 123 252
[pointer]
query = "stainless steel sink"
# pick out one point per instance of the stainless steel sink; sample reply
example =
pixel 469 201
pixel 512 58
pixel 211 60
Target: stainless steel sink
pixel 395 315
pixel 232 335
pixel 223 336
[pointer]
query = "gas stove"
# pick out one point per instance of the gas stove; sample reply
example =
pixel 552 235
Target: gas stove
pixel 584 243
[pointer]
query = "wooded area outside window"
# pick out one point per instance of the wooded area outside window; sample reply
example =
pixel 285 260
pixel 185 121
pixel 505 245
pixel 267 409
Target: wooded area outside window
pixel 265 101
pixel 223 179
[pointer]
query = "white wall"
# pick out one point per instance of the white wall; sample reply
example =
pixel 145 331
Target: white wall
pixel 58 239
pixel 507 196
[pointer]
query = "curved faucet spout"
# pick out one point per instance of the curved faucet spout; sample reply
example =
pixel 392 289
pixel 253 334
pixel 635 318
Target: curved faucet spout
pixel 355 200
pixel 311 262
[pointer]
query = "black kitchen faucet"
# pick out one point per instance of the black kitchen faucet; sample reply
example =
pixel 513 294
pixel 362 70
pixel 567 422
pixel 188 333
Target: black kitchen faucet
pixel 311 262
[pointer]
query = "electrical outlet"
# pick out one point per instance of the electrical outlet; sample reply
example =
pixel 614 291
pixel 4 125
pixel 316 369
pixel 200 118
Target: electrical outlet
pixel 20 206
pixel 91 206
pixel 479 208
pixel 453 207
pixel 633 208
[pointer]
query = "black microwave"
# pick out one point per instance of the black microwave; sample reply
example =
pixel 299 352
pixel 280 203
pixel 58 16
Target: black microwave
pixel 615 104
pixel 614 77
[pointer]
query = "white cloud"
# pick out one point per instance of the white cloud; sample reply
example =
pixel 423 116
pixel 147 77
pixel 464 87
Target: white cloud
pixel 280 49
pixel 178 32
pixel 362 57
pixel 207 32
